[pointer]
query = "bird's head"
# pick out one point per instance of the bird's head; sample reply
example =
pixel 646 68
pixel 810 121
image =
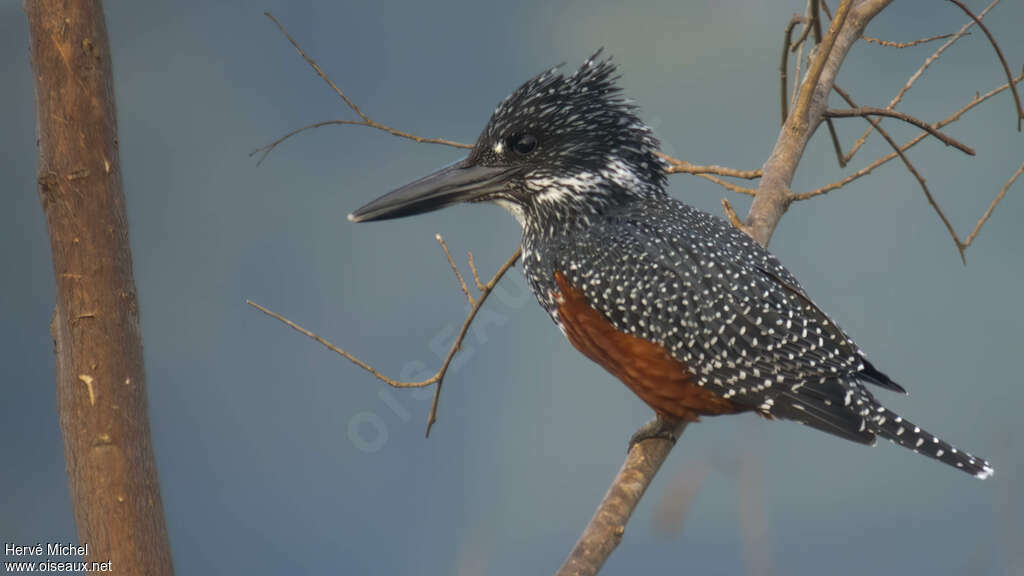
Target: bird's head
pixel 558 147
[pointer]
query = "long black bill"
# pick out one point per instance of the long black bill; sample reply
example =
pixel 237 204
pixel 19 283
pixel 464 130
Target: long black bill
pixel 460 182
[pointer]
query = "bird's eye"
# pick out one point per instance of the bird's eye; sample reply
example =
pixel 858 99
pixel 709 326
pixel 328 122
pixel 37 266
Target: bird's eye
pixel 524 143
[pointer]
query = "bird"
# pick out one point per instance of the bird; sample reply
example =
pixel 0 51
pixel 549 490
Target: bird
pixel 688 311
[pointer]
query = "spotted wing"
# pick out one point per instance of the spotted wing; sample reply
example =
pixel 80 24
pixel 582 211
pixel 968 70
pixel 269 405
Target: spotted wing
pixel 693 284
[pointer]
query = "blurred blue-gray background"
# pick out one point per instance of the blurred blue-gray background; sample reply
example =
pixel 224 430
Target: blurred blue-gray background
pixel 278 457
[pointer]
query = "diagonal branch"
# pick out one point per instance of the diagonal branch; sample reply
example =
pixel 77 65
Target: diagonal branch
pixel 988 212
pixel 912 169
pixel 683 167
pixel 976 101
pixel 832 133
pixel 865 111
pixel 605 530
pixel 773 195
pixel 787 46
pixel 1002 60
pixel 891 44
pixel 455 270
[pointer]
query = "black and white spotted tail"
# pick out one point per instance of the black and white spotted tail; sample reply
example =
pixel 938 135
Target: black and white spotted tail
pixel 888 425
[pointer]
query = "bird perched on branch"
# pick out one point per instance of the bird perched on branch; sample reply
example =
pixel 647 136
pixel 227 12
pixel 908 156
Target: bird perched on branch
pixel 689 312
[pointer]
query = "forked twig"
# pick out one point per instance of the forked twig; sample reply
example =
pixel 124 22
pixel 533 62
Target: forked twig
pixel 832 133
pixel 438 377
pixel 1002 60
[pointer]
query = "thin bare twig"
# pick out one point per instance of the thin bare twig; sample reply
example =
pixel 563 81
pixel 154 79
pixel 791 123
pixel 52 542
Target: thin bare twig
pixel 488 288
pixel 472 268
pixel 683 167
pixel 995 202
pixel 1002 60
pixel 676 166
pixel 832 133
pixel 365 120
pixel 455 269
pixel 917 75
pixel 796 74
pixel 265 151
pixel 730 213
pixel 787 46
pixel 917 42
pixel 824 6
pixel 727 185
pixel 864 111
pixel 346 355
pixel 976 101
pixel 438 377
pixel 803 102
pixel 913 170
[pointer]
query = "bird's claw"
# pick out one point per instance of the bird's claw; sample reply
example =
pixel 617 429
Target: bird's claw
pixel 659 427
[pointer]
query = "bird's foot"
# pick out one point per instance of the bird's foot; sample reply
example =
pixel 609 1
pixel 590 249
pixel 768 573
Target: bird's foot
pixel 659 427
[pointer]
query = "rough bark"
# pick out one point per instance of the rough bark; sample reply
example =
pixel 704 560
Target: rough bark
pixel 101 386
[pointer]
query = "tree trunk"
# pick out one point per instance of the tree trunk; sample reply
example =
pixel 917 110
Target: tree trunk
pixel 101 386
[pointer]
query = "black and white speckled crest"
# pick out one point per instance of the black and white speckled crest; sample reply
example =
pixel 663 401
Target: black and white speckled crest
pixel 591 148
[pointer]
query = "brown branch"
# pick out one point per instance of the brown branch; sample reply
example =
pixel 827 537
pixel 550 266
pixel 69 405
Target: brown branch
pixel 773 195
pixel 912 169
pixel 353 359
pixel 100 374
pixel 916 76
pixel 837 148
pixel 438 377
pixel 605 530
pixel 924 186
pixel 865 111
pixel 787 46
pixel 801 113
pixel 891 44
pixel 476 275
pixel 988 212
pixel 455 269
pixel 684 167
pixel 796 74
pixel 734 218
pixel 976 101
pixel 1002 60
pixel 727 185
pixel 263 151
